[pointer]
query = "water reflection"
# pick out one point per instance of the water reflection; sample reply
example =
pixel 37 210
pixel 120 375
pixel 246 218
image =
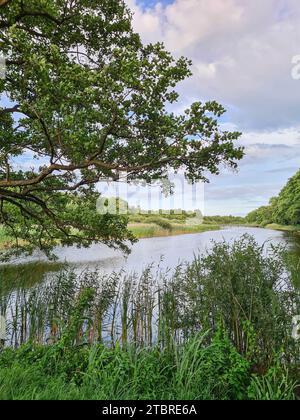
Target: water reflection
pixel 293 239
pixel 25 275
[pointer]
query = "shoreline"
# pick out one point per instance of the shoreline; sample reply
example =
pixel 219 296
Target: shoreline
pixel 283 228
pixel 275 226
pixel 147 231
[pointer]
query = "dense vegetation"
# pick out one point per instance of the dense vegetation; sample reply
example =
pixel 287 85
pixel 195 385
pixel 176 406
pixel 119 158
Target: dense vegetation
pixel 224 220
pixel 196 370
pixel 218 328
pixel 176 222
pixel 183 216
pixel 145 224
pixel 284 209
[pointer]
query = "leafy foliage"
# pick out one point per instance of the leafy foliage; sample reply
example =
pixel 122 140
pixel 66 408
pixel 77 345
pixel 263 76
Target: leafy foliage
pixel 194 371
pixel 284 209
pixel 87 101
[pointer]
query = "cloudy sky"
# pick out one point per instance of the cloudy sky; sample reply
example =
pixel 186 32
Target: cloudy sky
pixel 242 54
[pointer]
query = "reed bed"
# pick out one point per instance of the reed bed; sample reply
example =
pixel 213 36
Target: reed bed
pixel 164 228
pixel 217 328
pixel 238 286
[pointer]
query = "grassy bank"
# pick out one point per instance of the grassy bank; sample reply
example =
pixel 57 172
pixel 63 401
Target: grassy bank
pixel 150 230
pixel 217 328
pixel 284 228
pixel 275 226
pixel 194 371
pixel 161 224
pixel 154 227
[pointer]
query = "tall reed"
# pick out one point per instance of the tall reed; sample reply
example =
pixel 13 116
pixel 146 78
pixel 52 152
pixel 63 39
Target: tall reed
pixel 238 286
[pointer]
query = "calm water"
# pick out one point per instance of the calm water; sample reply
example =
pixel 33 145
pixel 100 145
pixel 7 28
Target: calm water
pixel 166 252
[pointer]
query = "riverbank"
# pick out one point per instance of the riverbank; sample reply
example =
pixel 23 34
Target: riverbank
pixel 150 230
pixel 271 226
pixel 284 228
pixel 145 230
pixel 4 239
pixel 275 226
pixel 193 371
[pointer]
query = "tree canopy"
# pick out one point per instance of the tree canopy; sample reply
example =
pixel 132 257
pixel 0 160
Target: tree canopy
pixel 284 209
pixel 86 100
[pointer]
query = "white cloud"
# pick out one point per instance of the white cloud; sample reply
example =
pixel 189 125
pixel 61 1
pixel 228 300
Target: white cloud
pixel 242 54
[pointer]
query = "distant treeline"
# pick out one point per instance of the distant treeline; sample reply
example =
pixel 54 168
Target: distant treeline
pixel 283 210
pixel 168 214
pixel 180 216
pixel 223 220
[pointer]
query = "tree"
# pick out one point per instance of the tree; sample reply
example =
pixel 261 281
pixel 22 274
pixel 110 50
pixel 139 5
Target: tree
pixel 88 100
pixel 262 216
pixel 284 209
pixel 287 207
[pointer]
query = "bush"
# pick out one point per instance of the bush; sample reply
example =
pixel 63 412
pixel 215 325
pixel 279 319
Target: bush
pixel 164 224
pixel 246 290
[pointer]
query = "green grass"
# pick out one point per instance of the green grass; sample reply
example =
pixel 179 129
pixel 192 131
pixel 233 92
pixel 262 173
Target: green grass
pixel 194 371
pixel 145 230
pixel 4 238
pixel 224 220
pixel 160 224
pixel 25 276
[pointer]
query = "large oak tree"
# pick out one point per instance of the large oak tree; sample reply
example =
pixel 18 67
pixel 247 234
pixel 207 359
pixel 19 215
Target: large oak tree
pixel 88 100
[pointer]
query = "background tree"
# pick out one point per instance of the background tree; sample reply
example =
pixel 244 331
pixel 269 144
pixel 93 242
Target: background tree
pixel 88 100
pixel 287 208
pixel 283 209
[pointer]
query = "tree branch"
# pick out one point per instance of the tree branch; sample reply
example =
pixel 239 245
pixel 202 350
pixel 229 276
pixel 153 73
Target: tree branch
pixel 4 2
pixel 85 165
pixel 9 110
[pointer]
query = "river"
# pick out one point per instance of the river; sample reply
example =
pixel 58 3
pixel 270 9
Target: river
pixel 166 252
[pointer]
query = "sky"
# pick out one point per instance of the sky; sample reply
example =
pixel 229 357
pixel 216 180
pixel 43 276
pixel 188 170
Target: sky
pixel 245 56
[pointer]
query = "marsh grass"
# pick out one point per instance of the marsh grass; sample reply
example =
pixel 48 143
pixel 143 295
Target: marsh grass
pixel 192 370
pixel 250 293
pixel 215 321
pixel 150 230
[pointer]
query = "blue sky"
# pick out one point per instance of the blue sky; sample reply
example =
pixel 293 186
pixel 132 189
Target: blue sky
pixel 152 3
pixel 242 57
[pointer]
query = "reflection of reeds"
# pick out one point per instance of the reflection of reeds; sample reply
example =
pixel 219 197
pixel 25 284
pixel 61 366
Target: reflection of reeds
pixel 234 285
